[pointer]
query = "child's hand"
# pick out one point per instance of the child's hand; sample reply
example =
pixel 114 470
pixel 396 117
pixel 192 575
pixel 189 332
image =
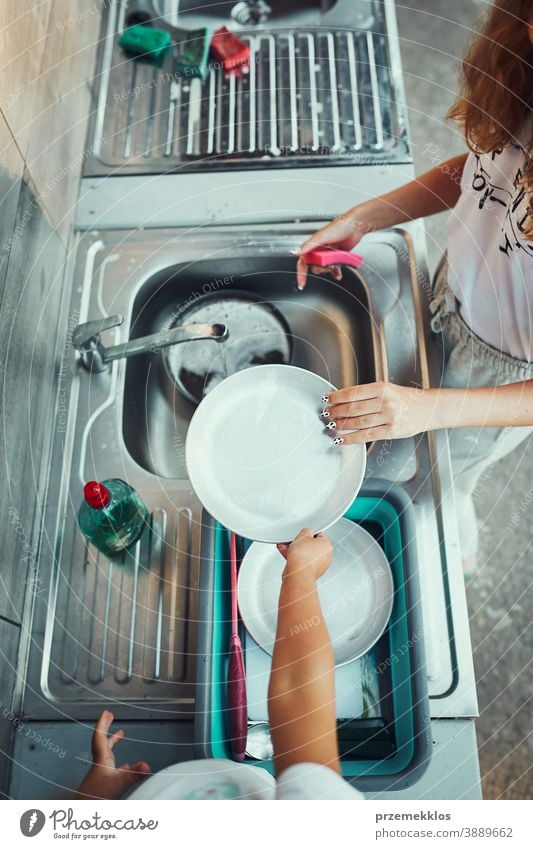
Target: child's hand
pixel 105 780
pixel 343 233
pixel 308 554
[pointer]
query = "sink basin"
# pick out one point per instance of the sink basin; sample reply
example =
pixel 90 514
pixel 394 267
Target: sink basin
pixel 192 14
pixel 330 323
pixel 297 13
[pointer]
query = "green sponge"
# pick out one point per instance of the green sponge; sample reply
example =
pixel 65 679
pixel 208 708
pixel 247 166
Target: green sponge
pixel 192 53
pixel 147 43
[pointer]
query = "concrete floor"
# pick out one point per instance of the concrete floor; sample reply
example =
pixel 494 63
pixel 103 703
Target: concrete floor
pixel 433 34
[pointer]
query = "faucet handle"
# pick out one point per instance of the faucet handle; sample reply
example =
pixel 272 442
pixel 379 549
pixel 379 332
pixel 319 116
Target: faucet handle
pixel 83 333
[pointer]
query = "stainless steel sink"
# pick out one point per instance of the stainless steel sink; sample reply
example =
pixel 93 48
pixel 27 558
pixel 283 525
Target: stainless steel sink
pixel 125 633
pixel 331 326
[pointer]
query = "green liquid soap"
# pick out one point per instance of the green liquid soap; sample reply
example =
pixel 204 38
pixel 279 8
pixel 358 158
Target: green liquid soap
pixel 112 516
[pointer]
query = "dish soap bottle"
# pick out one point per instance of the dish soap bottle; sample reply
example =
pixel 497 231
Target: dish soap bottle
pixel 113 516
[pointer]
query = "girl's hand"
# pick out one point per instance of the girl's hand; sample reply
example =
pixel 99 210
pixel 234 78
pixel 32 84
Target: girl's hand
pixel 379 411
pixel 343 233
pixel 308 554
pixel 105 780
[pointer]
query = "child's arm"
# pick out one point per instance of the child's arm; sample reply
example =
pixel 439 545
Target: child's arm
pixel 386 411
pixel 301 697
pixel 432 192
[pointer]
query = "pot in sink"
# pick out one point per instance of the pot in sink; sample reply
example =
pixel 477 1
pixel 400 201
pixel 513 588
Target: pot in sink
pixel 259 334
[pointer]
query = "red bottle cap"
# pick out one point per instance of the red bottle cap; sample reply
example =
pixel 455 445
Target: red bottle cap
pixel 96 495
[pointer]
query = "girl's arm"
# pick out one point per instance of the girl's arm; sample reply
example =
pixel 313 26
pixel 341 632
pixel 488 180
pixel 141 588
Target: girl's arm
pixel 432 192
pixel 301 696
pixel 386 411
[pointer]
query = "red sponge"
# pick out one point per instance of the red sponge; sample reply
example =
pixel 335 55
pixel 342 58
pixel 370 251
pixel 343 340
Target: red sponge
pixel 228 49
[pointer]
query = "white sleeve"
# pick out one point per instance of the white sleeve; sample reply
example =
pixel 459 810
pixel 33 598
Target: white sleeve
pixel 313 781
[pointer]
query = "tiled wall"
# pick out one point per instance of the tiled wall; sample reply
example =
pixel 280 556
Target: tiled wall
pixel 47 51
pixel 47 63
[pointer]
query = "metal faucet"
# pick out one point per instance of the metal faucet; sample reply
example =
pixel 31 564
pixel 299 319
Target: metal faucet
pixel 95 356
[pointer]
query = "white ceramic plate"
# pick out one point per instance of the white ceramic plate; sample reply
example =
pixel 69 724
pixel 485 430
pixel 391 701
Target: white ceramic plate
pixel 356 593
pixel 260 460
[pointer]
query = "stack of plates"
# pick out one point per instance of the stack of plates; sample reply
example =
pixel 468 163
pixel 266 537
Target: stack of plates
pixel 263 464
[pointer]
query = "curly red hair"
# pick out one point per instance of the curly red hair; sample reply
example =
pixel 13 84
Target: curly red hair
pixel 494 107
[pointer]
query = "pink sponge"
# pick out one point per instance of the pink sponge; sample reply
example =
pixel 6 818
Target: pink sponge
pixel 330 256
